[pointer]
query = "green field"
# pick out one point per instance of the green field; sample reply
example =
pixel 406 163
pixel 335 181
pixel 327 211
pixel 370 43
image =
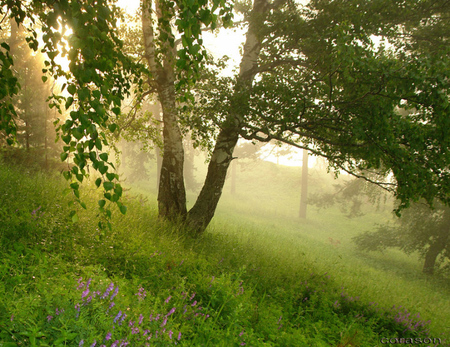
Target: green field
pixel 260 276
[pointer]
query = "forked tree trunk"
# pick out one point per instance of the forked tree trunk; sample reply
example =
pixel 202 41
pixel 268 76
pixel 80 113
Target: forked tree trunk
pixel 204 208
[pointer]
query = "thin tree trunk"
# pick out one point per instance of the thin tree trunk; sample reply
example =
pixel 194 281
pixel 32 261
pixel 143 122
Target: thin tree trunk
pixel 204 208
pixel 304 196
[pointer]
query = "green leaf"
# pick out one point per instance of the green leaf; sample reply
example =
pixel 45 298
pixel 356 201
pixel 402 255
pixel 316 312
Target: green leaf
pixel 69 102
pixel 102 168
pixel 104 156
pixel 108 185
pixel 112 127
pixel 44 79
pixel 111 176
pixel 98 182
pixel 123 209
pixel 74 216
pixel 118 190
pixel 72 89
pixel 101 203
pixel 98 144
pixel 64 156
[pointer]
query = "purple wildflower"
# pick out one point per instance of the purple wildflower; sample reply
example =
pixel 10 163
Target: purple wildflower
pixel 81 343
pixel 111 305
pixel 85 293
pixel 194 303
pixel 49 318
pixel 115 343
pixel 241 333
pixel 192 296
pixel 122 319
pixel 170 334
pixel 141 293
pixel 80 283
pixel 108 336
pixel 168 299
pixel 164 322
pixel 145 332
pixel 108 290
pixel 94 343
pixel 179 336
pixel 12 317
pixel 135 330
pixel 171 311
pixel 117 317
pixel 115 293
pixel 130 323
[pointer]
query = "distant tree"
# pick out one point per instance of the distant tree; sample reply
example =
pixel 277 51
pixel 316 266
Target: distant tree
pixel 352 195
pixel 33 118
pixel 420 229
pixel 304 191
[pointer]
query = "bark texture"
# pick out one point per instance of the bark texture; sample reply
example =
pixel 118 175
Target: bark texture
pixel 171 194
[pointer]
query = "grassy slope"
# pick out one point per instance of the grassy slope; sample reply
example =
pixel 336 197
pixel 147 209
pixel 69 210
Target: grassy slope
pixel 247 272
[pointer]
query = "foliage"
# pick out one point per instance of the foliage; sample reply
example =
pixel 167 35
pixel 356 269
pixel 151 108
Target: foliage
pixel 335 78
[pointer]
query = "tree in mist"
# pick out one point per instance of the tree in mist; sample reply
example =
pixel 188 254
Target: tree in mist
pixel 312 77
pixel 420 229
pixel 353 196
pixel 304 191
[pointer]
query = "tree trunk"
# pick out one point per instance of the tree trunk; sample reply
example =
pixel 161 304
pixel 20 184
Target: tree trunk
pixel 431 256
pixel 435 249
pixel 204 208
pixel 304 196
pixel 171 194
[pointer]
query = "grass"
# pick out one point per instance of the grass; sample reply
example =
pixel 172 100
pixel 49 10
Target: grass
pixel 256 278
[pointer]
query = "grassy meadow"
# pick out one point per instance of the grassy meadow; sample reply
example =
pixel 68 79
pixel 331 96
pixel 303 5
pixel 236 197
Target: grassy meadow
pixel 260 276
